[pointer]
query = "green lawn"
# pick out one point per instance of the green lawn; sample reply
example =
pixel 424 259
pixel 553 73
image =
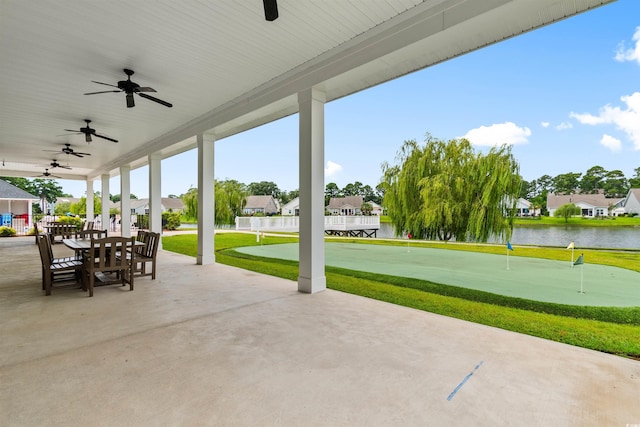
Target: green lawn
pixel 608 329
pixel 621 221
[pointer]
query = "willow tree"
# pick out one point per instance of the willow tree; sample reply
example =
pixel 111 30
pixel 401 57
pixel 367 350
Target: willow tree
pixel 445 190
pixel 230 198
pixel 190 200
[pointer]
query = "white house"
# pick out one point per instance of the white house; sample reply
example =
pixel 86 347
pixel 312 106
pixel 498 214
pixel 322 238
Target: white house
pixel 15 206
pixel 265 205
pixel 141 206
pixel 631 203
pixel 376 208
pixel 292 208
pixel 349 205
pixel 591 205
pixel 524 208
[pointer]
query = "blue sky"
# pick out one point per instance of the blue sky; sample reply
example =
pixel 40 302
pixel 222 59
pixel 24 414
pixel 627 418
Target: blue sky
pixel 567 96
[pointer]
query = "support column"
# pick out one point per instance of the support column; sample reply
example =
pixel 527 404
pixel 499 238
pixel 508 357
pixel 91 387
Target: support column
pixel 89 213
pixel 125 201
pixel 206 200
pixel 155 201
pixel 104 199
pixel 311 276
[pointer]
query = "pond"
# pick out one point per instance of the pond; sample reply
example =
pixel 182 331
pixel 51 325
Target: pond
pixel 584 237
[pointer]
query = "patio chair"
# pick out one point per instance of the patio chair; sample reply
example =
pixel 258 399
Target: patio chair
pixel 56 271
pixel 145 254
pixel 36 231
pixel 91 234
pixel 102 263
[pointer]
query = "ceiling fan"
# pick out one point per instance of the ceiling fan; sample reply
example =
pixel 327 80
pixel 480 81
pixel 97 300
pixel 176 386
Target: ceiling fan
pixel 88 131
pixel 55 164
pixel 48 175
pixel 129 87
pixel 68 150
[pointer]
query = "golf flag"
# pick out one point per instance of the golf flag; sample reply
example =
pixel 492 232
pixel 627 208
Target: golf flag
pixel 409 235
pixel 509 246
pixel 571 246
pixel 580 260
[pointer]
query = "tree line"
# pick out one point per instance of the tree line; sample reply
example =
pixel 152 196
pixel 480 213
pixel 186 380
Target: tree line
pixel 613 184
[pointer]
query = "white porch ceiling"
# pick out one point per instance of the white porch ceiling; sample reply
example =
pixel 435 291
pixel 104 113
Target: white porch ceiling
pixel 222 65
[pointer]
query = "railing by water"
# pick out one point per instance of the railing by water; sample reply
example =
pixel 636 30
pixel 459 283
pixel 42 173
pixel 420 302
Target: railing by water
pixel 292 223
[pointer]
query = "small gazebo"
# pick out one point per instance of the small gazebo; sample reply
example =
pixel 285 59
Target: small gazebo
pixel 15 206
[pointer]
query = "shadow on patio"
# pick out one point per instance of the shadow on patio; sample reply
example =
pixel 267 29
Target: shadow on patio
pixel 215 345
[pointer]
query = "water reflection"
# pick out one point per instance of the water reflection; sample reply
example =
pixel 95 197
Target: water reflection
pixel 584 237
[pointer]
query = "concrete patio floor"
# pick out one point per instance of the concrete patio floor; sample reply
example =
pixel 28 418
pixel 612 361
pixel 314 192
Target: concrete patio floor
pixel 215 345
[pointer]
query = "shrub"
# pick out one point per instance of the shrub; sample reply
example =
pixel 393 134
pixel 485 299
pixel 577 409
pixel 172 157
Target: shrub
pixel 170 220
pixel 7 231
pixel 77 221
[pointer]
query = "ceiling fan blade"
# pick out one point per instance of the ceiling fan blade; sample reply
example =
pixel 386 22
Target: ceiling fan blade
pixel 270 10
pixel 76 154
pixel 145 89
pixel 104 91
pixel 130 101
pixel 159 101
pixel 71 130
pixel 106 84
pixel 106 137
pixel 87 137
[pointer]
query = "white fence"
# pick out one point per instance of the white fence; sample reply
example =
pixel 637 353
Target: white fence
pixel 292 223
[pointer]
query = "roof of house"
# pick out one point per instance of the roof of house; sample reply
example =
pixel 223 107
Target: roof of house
pixel 635 192
pixel 554 201
pixel 339 202
pixel 67 200
pixel 292 202
pixel 172 203
pixel 166 202
pixel 10 191
pixel 258 202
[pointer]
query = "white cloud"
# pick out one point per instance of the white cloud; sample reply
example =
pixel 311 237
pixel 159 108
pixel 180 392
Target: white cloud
pixel 332 168
pixel 564 126
pixel 498 134
pixel 545 124
pixel 627 119
pixel 631 54
pixel 613 144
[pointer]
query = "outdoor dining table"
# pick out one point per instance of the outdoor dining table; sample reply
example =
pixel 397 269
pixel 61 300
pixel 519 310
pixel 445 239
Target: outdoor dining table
pixel 79 245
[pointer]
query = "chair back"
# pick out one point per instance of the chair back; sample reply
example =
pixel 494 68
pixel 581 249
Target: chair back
pixel 106 254
pixel 46 254
pixel 87 225
pixel 91 234
pixel 36 232
pixel 151 247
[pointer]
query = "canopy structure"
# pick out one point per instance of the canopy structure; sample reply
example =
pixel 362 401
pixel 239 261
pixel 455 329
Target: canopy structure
pixel 223 66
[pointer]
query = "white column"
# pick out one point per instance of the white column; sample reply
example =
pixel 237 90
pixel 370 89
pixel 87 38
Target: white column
pixel 125 201
pixel 311 277
pixel 30 213
pixel 104 199
pixel 90 215
pixel 206 200
pixel 155 201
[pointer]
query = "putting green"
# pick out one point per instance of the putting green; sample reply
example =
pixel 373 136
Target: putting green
pixel 529 278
